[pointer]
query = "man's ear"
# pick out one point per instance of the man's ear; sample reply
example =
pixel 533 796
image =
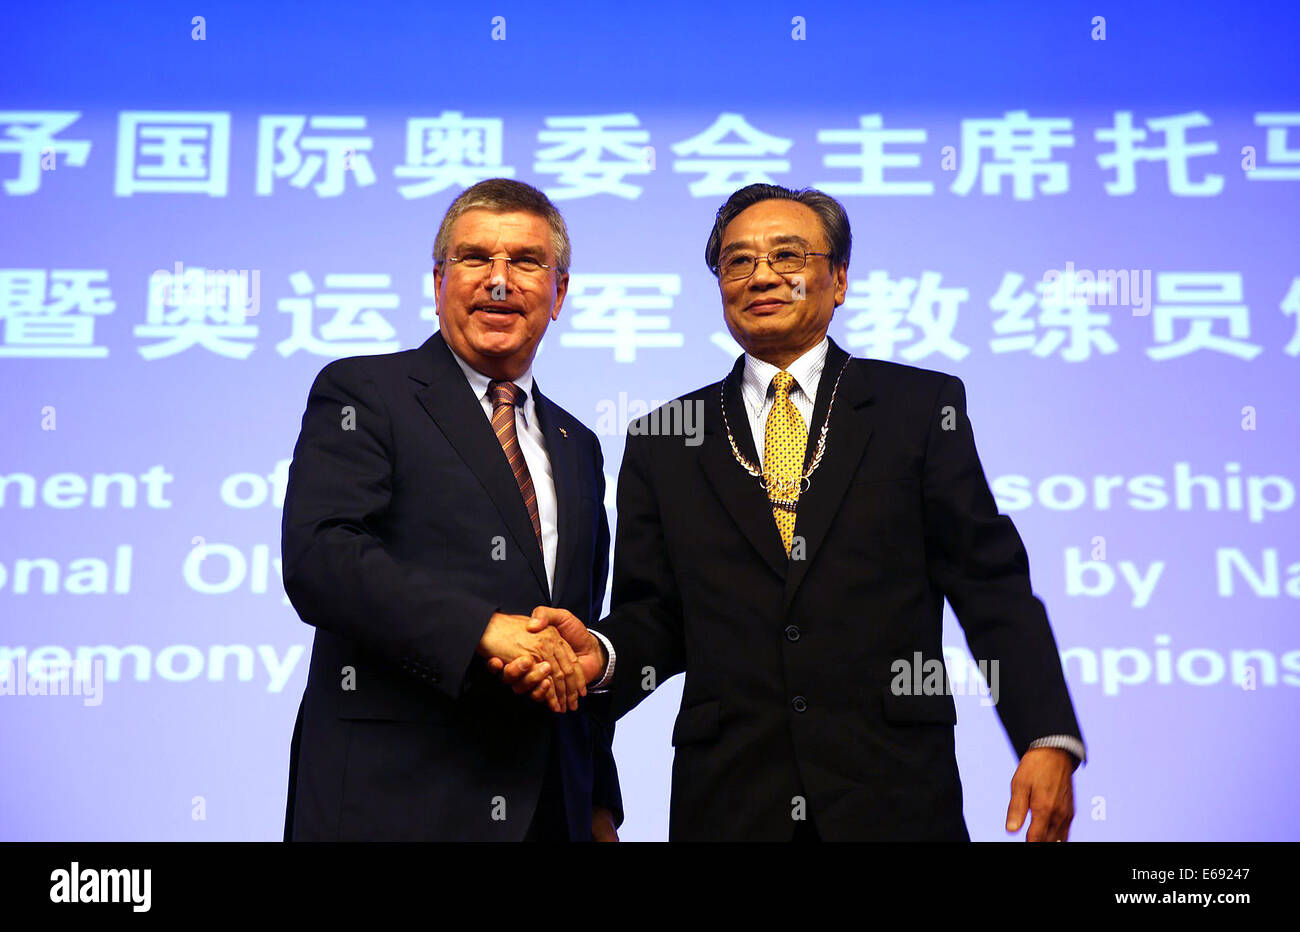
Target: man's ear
pixel 561 289
pixel 437 287
pixel 841 283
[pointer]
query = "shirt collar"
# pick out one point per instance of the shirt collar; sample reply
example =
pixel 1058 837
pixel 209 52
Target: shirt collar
pixel 479 382
pixel 807 372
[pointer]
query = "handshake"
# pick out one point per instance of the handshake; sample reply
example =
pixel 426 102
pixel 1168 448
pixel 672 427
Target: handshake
pixel 551 656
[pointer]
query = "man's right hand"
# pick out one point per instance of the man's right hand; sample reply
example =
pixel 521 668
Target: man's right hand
pixel 522 676
pixel 537 653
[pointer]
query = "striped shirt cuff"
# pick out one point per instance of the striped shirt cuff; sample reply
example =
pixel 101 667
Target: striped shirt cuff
pixel 1065 743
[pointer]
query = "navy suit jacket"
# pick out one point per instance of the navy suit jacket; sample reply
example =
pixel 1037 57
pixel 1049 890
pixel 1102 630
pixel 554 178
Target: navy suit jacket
pixel 403 531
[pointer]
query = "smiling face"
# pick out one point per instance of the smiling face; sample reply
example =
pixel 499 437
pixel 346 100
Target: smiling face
pixel 764 312
pixel 495 317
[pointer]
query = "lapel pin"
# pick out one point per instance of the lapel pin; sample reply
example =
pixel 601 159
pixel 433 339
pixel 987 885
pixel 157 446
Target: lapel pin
pixel 564 433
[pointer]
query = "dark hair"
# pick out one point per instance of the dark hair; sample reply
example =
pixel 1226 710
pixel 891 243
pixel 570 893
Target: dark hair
pixel 503 195
pixel 835 222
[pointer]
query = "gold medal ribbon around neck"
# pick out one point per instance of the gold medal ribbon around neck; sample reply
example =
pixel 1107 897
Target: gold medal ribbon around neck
pixel 783 487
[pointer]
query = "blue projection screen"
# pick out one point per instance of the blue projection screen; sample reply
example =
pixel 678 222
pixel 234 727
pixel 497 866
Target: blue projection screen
pixel 1091 216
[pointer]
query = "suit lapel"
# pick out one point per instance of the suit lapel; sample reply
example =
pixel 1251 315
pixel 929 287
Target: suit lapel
pixel 846 442
pixel 563 453
pixel 740 492
pixel 448 399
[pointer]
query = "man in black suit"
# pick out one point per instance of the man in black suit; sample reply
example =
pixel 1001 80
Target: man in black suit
pixel 795 564
pixel 436 497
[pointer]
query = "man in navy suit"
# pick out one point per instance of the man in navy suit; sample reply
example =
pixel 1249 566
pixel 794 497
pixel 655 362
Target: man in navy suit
pixel 435 499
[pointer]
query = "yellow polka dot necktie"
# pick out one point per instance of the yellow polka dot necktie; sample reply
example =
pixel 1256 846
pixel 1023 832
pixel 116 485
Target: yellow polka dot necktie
pixel 783 450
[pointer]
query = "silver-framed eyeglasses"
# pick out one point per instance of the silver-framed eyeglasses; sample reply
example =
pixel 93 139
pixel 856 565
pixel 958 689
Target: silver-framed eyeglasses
pixel 782 260
pixel 477 261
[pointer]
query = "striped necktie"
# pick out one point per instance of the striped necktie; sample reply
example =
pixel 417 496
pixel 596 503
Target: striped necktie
pixel 505 396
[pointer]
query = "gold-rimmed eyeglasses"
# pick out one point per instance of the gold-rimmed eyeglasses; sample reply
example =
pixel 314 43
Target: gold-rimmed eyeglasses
pixel 782 260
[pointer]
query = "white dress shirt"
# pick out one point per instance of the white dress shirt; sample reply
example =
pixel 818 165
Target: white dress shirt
pixel 533 445
pixel 759 394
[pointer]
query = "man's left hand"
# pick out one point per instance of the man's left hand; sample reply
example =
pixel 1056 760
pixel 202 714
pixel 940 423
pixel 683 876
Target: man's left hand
pixel 1043 785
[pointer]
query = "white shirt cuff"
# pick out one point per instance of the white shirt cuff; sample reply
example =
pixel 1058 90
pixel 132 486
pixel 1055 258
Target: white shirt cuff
pixel 602 684
pixel 1065 743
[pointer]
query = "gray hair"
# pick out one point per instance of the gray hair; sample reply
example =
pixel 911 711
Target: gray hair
pixel 505 195
pixel 834 220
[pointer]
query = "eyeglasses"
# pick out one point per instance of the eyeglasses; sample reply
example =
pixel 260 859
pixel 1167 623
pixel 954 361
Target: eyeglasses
pixel 525 264
pixel 783 260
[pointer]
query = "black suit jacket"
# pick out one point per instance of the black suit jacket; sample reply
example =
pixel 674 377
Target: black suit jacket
pixel 788 661
pixel 404 530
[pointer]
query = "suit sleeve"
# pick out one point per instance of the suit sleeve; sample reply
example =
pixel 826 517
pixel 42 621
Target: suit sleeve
pixel 606 793
pixel 337 572
pixel 645 621
pixel 977 559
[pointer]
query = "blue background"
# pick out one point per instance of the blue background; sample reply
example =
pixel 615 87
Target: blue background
pixel 1167 761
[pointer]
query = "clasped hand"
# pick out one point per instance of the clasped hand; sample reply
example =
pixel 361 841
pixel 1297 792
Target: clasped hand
pixel 551 656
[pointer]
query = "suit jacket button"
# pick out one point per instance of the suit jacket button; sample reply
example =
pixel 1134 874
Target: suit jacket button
pixel 799 704
pixel 792 633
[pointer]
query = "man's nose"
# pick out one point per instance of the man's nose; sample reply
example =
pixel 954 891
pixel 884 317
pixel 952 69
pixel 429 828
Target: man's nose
pixel 763 276
pixel 498 280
